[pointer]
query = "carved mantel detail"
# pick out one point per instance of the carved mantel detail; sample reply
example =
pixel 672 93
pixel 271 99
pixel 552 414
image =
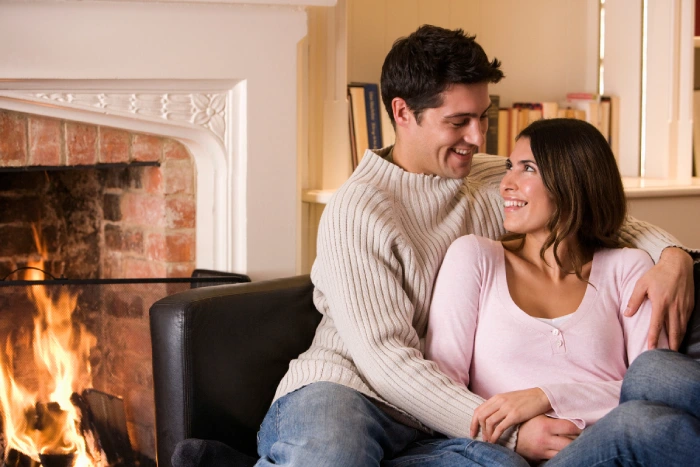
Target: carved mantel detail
pixel 204 110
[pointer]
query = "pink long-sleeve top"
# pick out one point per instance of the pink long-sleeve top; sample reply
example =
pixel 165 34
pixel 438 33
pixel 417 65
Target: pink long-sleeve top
pixel 478 336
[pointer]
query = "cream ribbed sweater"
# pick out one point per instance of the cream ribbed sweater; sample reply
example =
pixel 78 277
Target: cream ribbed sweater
pixel 381 240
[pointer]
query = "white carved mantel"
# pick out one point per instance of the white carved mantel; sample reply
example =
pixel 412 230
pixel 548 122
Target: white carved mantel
pixel 219 77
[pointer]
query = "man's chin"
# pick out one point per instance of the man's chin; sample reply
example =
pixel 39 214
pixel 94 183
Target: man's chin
pixel 460 172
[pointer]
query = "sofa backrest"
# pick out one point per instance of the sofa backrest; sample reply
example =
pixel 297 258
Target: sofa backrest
pixel 219 354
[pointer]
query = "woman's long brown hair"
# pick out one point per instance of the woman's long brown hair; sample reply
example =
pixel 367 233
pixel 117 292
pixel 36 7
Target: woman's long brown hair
pixel 579 170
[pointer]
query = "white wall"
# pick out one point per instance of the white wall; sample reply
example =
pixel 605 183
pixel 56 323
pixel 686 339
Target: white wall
pixel 255 45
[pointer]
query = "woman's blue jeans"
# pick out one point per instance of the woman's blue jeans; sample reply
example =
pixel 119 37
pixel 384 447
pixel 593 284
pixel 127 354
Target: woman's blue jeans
pixel 656 424
pixel 326 424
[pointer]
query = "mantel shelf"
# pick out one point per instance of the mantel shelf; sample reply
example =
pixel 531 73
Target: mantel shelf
pixel 634 188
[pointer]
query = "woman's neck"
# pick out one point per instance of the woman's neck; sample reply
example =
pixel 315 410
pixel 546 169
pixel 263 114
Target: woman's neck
pixel 530 252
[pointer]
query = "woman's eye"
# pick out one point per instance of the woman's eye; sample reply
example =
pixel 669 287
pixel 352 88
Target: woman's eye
pixel 529 168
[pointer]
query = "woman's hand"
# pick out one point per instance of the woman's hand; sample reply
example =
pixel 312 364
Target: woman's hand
pixel 502 411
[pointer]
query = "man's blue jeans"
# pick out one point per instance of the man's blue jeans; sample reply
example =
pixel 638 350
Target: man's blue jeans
pixel 656 424
pixel 326 424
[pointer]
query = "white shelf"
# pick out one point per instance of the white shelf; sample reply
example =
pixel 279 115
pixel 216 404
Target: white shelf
pixel 655 188
pixel 316 196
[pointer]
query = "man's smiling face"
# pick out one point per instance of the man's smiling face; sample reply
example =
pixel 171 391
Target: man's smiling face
pixel 444 139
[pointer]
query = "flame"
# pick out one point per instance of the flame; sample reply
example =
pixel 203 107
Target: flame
pixel 44 420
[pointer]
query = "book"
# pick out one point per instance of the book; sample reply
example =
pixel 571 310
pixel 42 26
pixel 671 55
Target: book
pixel 388 135
pixel 491 138
pixel 586 106
pixel 514 117
pixel 358 134
pixel 614 132
pixel 549 109
pixel 503 132
pixel 696 133
pixel 366 117
pixel 351 130
pixel 605 117
pixel 528 112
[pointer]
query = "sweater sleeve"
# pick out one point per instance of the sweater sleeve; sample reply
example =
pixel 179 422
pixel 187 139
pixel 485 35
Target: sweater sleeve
pixel 363 281
pixel 585 403
pixel 651 239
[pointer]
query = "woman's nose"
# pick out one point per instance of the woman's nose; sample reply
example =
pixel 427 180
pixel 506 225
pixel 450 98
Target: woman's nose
pixel 506 183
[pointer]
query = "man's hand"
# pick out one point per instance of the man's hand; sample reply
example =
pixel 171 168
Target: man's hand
pixel 542 437
pixel 502 411
pixel 669 287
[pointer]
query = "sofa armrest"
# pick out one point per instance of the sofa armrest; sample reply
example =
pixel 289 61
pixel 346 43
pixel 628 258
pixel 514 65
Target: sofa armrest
pixel 219 353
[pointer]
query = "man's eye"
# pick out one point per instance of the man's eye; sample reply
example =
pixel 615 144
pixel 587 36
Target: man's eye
pixel 459 124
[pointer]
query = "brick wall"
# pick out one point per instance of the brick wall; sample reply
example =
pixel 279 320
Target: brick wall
pixel 99 222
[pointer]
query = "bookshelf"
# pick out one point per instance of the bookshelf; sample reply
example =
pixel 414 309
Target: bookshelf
pixel 348 43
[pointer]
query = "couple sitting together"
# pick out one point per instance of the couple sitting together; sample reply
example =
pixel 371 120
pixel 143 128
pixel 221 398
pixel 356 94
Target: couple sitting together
pixel 479 310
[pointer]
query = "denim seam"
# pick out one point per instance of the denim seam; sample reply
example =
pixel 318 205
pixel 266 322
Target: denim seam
pixel 415 460
pixel 617 457
pixel 277 420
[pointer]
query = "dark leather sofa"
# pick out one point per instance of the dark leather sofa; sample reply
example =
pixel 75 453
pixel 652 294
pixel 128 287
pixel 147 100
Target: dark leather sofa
pixel 219 353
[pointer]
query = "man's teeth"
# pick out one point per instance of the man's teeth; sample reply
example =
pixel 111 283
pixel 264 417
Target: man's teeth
pixel 510 204
pixel 462 152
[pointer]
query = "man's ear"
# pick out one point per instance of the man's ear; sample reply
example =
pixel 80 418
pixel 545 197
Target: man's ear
pixel 402 114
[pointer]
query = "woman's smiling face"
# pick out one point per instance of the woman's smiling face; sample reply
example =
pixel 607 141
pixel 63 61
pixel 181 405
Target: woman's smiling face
pixel 527 203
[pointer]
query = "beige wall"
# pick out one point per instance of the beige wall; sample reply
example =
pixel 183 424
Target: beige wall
pixel 544 29
pixel 678 215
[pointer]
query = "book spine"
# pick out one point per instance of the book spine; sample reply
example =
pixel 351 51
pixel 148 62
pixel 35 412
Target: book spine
pixel 492 130
pixel 374 128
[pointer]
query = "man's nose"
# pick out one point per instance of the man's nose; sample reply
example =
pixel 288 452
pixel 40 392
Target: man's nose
pixel 475 132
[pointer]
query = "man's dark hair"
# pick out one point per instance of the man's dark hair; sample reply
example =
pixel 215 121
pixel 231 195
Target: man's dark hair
pixel 418 68
pixel 579 170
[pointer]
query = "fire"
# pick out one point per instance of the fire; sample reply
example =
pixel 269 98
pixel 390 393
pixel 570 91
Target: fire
pixel 43 421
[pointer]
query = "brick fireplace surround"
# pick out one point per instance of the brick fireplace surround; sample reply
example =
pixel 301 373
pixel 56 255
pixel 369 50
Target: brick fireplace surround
pixel 103 218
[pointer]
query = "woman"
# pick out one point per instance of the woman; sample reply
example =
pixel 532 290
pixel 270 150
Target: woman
pixel 535 323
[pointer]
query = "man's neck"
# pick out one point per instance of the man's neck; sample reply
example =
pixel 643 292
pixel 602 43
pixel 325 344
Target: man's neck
pixel 398 155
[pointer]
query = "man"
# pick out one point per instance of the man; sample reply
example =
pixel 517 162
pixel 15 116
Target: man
pixel 363 393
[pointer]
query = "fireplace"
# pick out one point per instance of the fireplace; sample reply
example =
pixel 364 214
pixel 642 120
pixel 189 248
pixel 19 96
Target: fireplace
pixel 95 209
pixel 218 82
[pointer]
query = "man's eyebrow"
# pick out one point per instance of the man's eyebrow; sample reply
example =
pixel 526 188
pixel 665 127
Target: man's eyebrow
pixel 468 114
